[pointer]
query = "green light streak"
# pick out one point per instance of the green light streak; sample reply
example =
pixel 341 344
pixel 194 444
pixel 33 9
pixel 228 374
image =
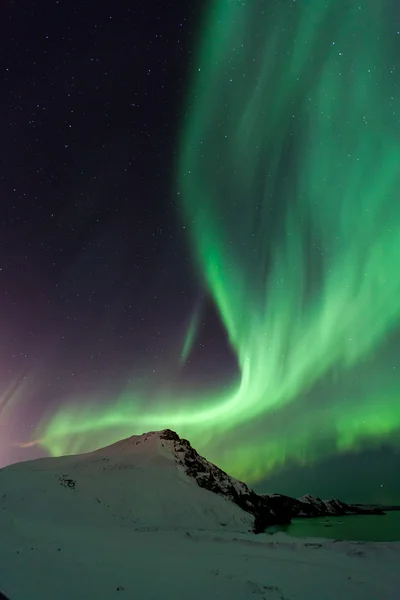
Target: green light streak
pixel 191 335
pixel 289 178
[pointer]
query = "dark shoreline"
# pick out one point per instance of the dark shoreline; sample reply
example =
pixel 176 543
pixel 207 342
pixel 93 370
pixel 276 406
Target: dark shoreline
pixel 375 512
pixel 337 528
pixel 311 507
pixel 381 507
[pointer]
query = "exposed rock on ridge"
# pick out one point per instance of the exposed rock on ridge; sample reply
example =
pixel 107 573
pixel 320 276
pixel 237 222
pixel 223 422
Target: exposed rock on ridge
pixel 275 509
pixel 310 506
pixel 266 511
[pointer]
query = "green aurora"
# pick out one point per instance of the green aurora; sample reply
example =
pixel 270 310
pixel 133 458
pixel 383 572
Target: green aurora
pixel 288 181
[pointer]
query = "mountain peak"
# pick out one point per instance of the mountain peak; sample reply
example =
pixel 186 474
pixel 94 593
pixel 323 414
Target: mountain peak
pixel 168 434
pixel 210 477
pixel 163 434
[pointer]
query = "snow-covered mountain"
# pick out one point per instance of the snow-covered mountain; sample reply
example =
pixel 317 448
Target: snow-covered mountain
pixel 155 480
pixel 312 506
pixel 151 481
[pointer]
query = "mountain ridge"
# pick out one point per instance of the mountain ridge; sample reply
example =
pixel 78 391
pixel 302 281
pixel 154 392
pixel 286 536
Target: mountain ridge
pixel 151 481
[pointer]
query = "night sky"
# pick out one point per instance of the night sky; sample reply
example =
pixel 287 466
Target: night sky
pixel 199 229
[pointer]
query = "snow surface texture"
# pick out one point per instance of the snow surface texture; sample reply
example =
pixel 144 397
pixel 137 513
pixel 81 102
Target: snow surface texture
pixel 131 521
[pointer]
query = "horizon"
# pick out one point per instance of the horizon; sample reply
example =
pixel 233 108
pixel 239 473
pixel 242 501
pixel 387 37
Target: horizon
pixel 294 492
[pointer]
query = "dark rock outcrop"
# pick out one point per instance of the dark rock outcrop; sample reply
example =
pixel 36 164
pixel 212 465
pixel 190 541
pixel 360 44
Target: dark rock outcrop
pixel 310 506
pixel 268 510
pixel 377 509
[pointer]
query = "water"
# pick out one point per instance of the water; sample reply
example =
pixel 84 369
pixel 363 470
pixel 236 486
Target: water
pixel 369 528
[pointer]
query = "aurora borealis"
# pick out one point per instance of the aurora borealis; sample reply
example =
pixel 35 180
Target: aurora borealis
pixel 286 183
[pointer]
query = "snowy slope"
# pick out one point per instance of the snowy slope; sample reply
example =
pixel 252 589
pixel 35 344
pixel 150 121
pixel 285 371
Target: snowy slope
pixel 103 564
pixel 137 520
pixel 140 481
